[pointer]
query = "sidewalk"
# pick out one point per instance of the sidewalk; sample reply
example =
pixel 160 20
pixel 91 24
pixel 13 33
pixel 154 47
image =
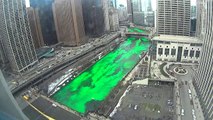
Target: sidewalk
pixel 177 99
pixel 196 103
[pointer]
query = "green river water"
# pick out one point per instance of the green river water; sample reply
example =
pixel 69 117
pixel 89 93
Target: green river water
pixel 94 84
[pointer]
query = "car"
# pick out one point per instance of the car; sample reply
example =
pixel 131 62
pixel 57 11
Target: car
pixel 190 96
pixel 136 107
pixel 130 105
pixel 54 105
pixel 190 92
pixel 193 111
pixel 182 111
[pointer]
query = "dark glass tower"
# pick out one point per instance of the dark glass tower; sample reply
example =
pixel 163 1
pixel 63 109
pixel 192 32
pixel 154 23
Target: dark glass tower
pixel 93 15
pixel 44 8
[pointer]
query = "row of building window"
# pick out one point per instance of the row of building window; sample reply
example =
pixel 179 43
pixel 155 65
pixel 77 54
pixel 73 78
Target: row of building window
pixel 191 44
pixel 173 52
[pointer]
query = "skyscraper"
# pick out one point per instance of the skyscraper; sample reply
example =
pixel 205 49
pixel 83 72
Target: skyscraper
pixel 114 3
pixel 173 17
pixel 204 77
pixel 193 20
pixel 45 14
pixel 129 10
pixel 15 35
pixel 138 18
pixel 113 19
pixel 137 5
pixel 69 22
pixel 93 15
pixel 35 26
pixel 106 5
pixel 149 15
pixel 2 55
pixel 193 12
pixel 8 104
pixel 122 12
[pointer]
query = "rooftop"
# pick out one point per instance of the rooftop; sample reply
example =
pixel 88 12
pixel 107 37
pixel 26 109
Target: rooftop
pixel 176 38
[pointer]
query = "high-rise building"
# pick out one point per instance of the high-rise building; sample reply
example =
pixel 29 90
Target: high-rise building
pixel 149 6
pixel 93 15
pixel 193 12
pixel 9 109
pixel 149 15
pixel 149 19
pixel 193 20
pixel 129 10
pixel 113 19
pixel 69 22
pixel 113 3
pixel 173 17
pixel 15 35
pixel 122 13
pixel 2 55
pixel 35 27
pixel 204 77
pixel 137 5
pixel 106 5
pixel 138 18
pixel 45 14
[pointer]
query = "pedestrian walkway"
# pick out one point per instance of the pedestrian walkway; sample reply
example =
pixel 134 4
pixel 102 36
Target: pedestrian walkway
pixel 196 102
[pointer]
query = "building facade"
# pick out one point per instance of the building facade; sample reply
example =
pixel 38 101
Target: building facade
pixel 122 13
pixel 204 77
pixel 8 105
pixel 137 5
pixel 193 20
pixel 2 55
pixel 106 6
pixel 69 22
pixel 177 48
pixel 35 26
pixel 149 18
pixel 173 17
pixel 45 13
pixel 138 18
pixel 129 10
pixel 15 35
pixel 113 19
pixel 93 14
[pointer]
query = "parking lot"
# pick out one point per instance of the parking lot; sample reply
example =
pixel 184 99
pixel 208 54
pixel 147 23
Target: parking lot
pixel 151 102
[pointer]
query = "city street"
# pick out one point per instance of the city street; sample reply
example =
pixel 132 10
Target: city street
pixel 185 93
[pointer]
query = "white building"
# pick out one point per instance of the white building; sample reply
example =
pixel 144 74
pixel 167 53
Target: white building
pixel 177 48
pixel 122 13
pixel 113 19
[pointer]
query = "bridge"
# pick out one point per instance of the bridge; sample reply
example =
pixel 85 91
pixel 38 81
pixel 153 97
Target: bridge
pixel 136 34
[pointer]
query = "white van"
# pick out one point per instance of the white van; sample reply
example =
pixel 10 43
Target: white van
pixel 189 91
pixel 182 111
pixel 136 107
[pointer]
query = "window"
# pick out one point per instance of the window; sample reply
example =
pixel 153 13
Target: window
pixel 197 54
pixel 166 51
pixel 186 53
pixel 167 42
pixel 173 52
pixel 192 53
pixel 160 51
pixel 192 44
pixel 198 44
